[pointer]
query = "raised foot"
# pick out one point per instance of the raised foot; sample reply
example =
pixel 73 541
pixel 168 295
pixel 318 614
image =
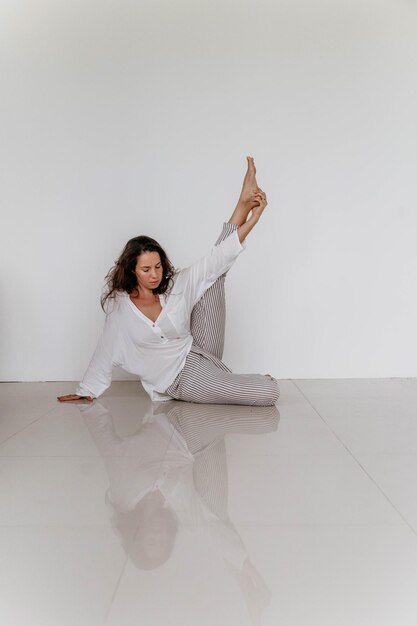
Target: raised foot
pixel 247 199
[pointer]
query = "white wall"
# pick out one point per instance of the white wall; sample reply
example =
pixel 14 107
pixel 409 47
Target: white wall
pixel 126 117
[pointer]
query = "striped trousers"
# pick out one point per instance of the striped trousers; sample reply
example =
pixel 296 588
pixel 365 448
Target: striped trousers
pixel 204 377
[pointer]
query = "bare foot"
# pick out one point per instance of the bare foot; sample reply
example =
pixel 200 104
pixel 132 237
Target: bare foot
pixel 247 199
pixel 250 186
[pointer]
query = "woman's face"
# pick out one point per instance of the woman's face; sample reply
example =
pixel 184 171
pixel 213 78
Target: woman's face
pixel 148 270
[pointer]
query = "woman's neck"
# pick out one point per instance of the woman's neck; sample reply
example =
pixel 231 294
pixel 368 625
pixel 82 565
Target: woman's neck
pixel 145 295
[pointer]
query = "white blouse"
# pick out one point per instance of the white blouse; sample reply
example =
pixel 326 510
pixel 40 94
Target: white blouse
pixel 155 351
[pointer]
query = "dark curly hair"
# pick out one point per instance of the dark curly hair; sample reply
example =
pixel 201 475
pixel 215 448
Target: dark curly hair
pixel 122 277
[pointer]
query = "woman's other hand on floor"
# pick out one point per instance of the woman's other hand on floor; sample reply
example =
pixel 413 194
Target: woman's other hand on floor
pixel 74 398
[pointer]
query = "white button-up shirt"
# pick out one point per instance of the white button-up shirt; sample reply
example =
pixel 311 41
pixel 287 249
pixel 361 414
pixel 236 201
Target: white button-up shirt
pixel 155 351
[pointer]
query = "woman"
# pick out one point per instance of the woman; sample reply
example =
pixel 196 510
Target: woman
pixel 168 327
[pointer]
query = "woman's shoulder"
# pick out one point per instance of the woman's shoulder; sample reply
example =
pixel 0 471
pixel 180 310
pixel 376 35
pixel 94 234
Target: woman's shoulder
pixel 115 302
pixel 176 283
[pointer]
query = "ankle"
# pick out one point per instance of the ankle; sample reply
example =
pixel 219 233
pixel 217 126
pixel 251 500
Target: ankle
pixel 240 214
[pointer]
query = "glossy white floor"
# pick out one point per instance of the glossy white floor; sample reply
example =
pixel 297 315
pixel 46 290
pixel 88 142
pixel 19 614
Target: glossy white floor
pixel 122 513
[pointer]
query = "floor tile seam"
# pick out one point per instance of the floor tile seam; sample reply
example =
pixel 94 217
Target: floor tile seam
pixel 325 421
pixel 51 457
pixel 65 456
pixel 115 590
pixel 54 456
pixel 357 378
pixel 281 454
pixel 107 526
pixel 389 454
pixel 320 416
pixel 22 411
pixel 247 525
pixel 255 525
pixel 357 461
pixel 27 425
pixel 116 587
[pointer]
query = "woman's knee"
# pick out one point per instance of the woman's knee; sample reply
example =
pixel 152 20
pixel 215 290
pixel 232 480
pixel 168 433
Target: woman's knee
pixel 270 392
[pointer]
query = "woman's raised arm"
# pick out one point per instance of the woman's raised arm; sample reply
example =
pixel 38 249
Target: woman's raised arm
pixel 244 229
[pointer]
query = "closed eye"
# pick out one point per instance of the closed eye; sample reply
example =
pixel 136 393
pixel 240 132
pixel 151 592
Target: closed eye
pixel 146 269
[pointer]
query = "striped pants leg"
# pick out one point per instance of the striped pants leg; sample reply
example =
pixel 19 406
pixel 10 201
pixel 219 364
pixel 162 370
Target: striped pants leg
pixel 208 317
pixel 205 378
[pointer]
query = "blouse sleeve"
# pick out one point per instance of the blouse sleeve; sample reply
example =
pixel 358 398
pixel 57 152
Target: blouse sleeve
pixel 98 376
pixel 197 278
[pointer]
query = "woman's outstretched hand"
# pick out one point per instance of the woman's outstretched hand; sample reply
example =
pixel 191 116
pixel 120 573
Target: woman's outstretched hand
pixel 74 398
pixel 260 202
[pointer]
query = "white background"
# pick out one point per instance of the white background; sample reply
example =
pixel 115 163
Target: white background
pixel 124 118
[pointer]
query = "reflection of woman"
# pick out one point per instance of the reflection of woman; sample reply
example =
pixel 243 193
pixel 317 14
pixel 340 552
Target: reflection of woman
pixel 172 474
pixel 168 328
pixel 144 471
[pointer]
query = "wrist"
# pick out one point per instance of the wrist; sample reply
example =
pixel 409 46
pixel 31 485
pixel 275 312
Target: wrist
pixel 254 219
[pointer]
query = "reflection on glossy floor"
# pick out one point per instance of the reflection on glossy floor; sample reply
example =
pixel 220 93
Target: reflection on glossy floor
pixel 128 513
